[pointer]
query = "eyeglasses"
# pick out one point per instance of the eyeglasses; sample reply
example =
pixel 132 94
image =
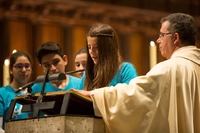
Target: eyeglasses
pixel 20 66
pixel 162 35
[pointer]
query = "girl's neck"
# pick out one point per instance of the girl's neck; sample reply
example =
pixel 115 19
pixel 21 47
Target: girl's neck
pixel 16 85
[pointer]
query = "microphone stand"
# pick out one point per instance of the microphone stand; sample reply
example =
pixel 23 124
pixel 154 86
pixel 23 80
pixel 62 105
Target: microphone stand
pixel 39 100
pixel 39 105
pixel 71 72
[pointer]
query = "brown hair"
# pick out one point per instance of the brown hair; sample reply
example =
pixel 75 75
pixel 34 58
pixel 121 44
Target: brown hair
pixel 101 74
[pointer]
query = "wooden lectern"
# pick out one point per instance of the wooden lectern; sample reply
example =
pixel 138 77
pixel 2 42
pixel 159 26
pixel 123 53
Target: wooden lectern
pixel 65 111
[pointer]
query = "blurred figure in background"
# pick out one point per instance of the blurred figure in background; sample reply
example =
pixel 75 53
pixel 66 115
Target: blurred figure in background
pixel 20 70
pixel 80 61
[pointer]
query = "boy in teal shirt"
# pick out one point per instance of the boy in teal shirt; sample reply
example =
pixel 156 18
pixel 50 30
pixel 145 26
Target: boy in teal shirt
pixel 50 56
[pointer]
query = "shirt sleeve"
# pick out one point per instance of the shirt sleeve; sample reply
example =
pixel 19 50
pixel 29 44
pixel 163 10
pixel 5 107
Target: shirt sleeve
pixel 1 103
pixel 127 73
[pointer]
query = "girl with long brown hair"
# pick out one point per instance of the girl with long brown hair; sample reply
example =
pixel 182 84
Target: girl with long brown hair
pixel 105 66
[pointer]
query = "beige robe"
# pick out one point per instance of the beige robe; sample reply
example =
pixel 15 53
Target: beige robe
pixel 165 100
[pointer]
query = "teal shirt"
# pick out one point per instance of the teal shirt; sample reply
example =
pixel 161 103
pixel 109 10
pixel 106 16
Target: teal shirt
pixel 74 82
pixel 124 75
pixel 7 93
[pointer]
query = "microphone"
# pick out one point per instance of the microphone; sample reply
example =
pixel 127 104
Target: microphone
pixel 57 76
pixel 39 79
pixel 71 72
pixel 52 77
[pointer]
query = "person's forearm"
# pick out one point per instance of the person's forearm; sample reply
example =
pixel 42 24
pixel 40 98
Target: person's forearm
pixel 1 130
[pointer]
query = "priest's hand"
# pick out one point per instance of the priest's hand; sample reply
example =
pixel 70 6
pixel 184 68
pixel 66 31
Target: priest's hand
pixel 1 130
pixel 83 92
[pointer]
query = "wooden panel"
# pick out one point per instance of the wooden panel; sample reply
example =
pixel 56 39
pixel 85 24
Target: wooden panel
pixel 4 47
pixel 19 32
pixel 51 33
pixel 138 55
pixel 78 41
pixel 19 36
pixel 44 33
pixel 79 38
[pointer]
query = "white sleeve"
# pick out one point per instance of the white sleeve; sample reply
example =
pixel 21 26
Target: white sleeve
pixel 96 110
pixel 1 123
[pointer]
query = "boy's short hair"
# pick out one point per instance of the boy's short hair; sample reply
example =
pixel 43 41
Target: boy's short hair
pixel 48 48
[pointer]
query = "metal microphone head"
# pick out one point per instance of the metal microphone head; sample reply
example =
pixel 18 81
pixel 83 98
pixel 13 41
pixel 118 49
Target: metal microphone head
pixel 52 77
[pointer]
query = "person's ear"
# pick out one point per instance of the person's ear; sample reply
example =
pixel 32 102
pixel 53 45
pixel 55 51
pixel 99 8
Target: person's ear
pixel 65 59
pixel 176 38
pixel 11 72
pixel 42 67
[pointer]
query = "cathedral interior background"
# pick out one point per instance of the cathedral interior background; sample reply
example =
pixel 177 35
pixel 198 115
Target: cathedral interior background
pixel 26 24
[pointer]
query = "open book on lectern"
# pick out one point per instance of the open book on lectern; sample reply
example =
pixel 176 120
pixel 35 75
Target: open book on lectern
pixel 55 103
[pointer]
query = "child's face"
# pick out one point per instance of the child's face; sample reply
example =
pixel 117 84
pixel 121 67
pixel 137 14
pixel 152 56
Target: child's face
pixel 92 48
pixel 54 63
pixel 80 62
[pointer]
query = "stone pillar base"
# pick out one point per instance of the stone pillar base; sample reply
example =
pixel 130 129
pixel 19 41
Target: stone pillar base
pixel 57 124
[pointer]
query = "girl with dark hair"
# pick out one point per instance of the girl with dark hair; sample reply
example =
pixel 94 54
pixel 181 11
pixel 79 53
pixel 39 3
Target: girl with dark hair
pixel 80 61
pixel 20 71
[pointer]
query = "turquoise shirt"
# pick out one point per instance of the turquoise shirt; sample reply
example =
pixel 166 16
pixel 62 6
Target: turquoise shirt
pixel 124 75
pixel 74 82
pixel 7 93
